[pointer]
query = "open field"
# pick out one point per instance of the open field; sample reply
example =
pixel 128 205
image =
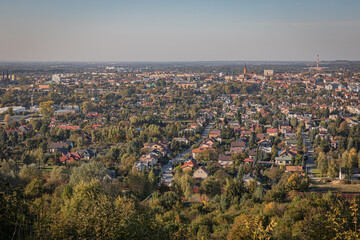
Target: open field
pixel 344 188
pixel 48 168
pixel 316 172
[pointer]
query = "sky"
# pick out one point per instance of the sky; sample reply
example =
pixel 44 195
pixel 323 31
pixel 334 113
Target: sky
pixel 183 30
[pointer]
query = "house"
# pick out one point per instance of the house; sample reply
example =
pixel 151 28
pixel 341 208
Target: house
pixel 197 151
pixel 285 129
pixel 159 146
pixel 69 127
pixel 334 144
pixel 249 178
pixel 264 144
pixel 60 146
pixel 287 153
pixel 261 136
pixel 246 133
pixel 283 160
pixel 189 165
pixel 291 142
pixel 201 173
pixel 70 157
pixel 225 160
pixel 215 133
pixel 237 147
pixel 297 169
pixel 355 173
pixel 272 131
pixel 87 153
pixel 208 142
pixel 252 154
pixel 140 166
pixel 193 126
pixel 182 139
pixel 149 159
pixel 249 161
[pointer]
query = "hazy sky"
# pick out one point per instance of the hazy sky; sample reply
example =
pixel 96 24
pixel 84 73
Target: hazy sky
pixel 179 30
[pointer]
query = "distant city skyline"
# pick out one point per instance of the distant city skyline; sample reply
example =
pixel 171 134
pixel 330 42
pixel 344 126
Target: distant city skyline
pixel 189 30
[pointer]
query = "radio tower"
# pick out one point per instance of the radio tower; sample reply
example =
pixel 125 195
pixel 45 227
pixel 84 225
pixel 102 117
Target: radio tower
pixel 317 61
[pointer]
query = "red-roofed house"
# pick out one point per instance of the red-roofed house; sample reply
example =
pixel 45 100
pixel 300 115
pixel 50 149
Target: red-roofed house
pixel 272 131
pixel 189 165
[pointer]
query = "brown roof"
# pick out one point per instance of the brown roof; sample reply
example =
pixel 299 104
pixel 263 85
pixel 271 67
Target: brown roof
pixel 294 169
pixel 238 144
pixel 223 157
pixel 204 169
pixel 252 152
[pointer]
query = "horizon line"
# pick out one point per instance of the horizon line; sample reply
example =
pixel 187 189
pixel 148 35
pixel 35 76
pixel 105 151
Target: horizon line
pixel 169 61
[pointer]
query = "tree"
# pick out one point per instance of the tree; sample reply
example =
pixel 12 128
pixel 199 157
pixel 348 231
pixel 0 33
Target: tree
pixel 274 173
pixel 343 219
pixel 87 172
pixel 47 108
pixel 344 129
pixel 293 182
pixel 58 176
pixel 90 214
pixel 352 158
pixel 34 189
pixel 29 172
pixel 322 163
pixel 210 186
pixel 40 157
pixel 7 119
pixel 139 184
pixel 333 168
pixel 259 194
pixel 252 140
pixel 247 227
pixel 152 180
pixel 86 107
pixel 168 200
pixel 294 123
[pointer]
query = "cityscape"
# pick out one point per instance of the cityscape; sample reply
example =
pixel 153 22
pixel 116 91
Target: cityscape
pixel 160 134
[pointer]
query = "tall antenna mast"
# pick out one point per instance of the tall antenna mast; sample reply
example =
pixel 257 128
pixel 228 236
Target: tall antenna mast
pixel 317 62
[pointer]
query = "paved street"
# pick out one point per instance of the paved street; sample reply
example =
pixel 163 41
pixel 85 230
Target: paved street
pixel 310 152
pixel 167 170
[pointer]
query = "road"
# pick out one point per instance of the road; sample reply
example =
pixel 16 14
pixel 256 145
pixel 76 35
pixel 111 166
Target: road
pixel 310 152
pixel 167 170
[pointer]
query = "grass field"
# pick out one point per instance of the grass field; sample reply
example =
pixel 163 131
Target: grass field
pixel 316 172
pixel 345 188
pixel 48 168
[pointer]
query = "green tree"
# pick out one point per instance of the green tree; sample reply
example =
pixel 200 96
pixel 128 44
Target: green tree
pixel 247 227
pixel 87 172
pixel 322 163
pixel 47 108
pixel 34 189
pixel 210 186
pixel 7 119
